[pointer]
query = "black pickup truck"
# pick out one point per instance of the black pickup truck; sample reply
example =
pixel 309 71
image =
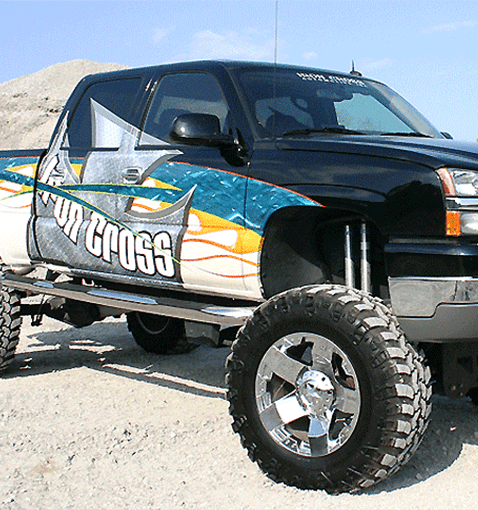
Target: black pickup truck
pixel 316 212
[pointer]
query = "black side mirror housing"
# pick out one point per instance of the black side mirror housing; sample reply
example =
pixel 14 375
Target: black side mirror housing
pixel 199 129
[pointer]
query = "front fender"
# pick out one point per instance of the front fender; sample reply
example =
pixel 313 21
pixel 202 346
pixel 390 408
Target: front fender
pixel 413 209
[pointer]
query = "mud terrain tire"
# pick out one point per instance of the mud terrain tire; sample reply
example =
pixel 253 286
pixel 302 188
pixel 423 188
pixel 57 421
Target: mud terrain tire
pixel 155 333
pixel 10 325
pixel 325 391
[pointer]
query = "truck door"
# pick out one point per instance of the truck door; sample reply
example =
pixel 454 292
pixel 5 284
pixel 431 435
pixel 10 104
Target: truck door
pixel 197 190
pixel 80 171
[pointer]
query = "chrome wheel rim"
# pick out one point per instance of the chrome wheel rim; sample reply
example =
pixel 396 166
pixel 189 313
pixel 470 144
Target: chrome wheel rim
pixel 307 394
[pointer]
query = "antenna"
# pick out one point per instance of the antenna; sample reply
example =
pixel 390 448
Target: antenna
pixel 274 84
pixel 353 71
pixel 276 31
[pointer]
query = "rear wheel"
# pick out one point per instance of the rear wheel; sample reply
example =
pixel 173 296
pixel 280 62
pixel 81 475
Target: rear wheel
pixel 10 325
pixel 324 390
pixel 155 333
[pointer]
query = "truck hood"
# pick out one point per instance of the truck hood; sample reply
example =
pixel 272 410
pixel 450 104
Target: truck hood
pixel 431 152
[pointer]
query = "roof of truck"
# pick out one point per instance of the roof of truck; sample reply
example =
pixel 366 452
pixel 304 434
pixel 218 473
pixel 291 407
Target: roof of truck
pixel 207 65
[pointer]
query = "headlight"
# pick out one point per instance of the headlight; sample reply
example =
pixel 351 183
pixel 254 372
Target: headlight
pixel 466 182
pixel 461 191
pixel 459 183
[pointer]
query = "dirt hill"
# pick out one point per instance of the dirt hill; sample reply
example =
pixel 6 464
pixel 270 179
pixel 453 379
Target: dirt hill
pixel 30 105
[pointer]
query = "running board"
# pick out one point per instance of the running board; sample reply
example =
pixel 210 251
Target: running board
pixel 127 302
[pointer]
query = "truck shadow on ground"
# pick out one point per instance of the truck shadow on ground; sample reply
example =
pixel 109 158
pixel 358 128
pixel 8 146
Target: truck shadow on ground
pixel 109 347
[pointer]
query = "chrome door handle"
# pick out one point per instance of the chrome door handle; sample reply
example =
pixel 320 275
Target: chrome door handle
pixel 131 175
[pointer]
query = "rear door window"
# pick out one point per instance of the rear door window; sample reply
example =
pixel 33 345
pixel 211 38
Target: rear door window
pixel 102 113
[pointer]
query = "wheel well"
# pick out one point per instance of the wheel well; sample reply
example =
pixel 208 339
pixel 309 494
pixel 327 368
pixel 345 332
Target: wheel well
pixel 306 245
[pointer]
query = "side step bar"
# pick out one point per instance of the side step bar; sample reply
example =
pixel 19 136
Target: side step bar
pixel 125 301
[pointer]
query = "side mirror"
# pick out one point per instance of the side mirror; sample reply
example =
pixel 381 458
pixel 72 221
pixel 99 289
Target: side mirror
pixel 199 129
pixel 446 135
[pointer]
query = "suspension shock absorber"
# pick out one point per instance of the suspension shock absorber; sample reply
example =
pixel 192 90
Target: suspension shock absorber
pixel 365 269
pixel 349 261
pixel 364 258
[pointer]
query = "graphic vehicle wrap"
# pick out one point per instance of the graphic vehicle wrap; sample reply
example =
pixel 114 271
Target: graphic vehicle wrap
pixel 178 225
pixel 17 178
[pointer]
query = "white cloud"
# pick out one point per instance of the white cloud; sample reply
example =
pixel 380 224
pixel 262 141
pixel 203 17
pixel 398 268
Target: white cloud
pixel 310 55
pixel 160 34
pixel 450 27
pixel 249 45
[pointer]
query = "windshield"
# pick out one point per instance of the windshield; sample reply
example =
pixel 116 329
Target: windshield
pixel 286 101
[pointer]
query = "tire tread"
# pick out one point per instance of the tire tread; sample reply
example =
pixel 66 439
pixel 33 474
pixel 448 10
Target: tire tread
pixel 10 325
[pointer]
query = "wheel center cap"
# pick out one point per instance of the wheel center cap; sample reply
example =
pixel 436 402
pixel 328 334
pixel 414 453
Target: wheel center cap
pixel 315 392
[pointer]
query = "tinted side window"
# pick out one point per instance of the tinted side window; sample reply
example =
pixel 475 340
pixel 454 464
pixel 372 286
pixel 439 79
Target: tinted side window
pixel 178 94
pixel 99 118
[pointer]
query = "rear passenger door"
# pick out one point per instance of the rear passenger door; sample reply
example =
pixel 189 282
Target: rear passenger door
pixel 80 175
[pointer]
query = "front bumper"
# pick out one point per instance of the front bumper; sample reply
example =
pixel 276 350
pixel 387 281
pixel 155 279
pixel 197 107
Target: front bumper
pixel 436 309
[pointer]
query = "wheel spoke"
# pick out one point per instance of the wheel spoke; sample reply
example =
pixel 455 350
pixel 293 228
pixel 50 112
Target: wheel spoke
pixel 322 353
pixel 348 400
pixel 289 408
pixel 319 436
pixel 283 411
pixel 283 365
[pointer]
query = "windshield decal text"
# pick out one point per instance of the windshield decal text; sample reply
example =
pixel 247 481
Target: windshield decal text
pixel 342 80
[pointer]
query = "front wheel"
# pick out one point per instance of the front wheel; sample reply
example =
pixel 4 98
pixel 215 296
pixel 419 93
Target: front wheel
pixel 324 390
pixel 155 333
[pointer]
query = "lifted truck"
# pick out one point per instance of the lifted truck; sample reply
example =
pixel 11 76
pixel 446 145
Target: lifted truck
pixel 317 210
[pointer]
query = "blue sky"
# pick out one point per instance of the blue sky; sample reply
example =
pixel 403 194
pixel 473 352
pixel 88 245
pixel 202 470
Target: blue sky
pixel 426 50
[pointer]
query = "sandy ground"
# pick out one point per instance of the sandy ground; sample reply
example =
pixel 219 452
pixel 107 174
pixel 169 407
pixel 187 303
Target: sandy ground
pixel 90 421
